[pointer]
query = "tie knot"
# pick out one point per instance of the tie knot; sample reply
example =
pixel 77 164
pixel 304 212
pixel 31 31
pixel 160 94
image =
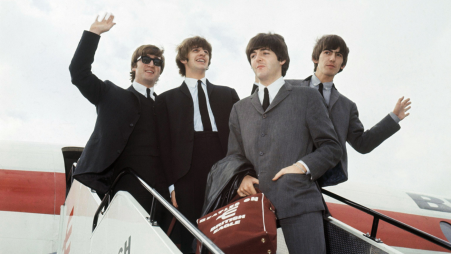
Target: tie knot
pixel 321 86
pixel 199 82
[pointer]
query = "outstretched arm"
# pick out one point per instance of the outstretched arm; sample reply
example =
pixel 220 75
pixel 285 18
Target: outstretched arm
pixel 89 85
pixel 365 141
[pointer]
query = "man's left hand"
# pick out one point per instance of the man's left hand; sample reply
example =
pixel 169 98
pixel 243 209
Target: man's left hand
pixel 401 108
pixel 291 170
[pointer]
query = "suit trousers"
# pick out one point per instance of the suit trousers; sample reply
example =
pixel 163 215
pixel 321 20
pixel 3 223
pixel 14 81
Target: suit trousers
pixel 190 189
pixel 304 234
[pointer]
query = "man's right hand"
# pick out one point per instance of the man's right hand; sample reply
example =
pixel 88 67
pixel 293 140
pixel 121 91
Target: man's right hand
pixel 174 202
pixel 247 186
pixel 100 27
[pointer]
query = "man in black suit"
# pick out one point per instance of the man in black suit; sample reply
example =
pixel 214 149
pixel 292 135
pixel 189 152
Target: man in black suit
pixel 125 131
pixel 193 130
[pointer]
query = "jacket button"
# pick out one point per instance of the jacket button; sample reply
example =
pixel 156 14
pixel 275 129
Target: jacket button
pixel 118 151
pixel 263 134
pixel 264 115
pixel 131 125
pixel 261 153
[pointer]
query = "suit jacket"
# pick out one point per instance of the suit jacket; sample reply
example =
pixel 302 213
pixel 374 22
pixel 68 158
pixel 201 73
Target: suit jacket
pixel 175 114
pixel 345 117
pixel 294 123
pixel 118 111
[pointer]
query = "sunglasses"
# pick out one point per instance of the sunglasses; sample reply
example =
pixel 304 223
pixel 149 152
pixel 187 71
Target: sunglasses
pixel 147 60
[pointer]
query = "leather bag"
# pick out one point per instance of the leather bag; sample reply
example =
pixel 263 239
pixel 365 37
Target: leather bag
pixel 245 226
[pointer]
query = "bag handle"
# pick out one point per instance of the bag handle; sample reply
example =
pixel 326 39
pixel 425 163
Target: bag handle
pixel 237 197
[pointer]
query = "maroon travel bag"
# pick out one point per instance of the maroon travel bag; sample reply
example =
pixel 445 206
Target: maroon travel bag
pixel 244 226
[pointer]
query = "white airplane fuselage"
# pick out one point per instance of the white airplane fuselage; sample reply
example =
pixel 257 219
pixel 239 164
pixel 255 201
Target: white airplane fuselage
pixel 32 190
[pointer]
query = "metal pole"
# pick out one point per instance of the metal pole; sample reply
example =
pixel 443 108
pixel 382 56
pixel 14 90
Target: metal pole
pixel 374 228
pixel 182 219
pixel 152 213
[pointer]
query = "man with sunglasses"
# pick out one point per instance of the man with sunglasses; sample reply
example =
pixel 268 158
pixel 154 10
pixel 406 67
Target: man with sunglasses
pixel 124 136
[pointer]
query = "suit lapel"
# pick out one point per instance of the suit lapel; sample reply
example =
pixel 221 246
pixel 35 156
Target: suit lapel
pixel 306 82
pixel 134 92
pixel 334 95
pixel 184 89
pixel 210 88
pixel 256 103
pixel 214 104
pixel 284 91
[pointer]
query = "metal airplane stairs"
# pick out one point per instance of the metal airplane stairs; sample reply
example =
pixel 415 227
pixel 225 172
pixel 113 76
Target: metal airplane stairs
pixel 121 225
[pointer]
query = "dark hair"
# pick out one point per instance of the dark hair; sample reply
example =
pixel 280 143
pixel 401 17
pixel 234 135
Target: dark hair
pixel 330 42
pixel 186 46
pixel 145 50
pixel 275 43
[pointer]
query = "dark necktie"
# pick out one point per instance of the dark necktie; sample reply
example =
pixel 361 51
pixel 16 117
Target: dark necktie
pixel 265 99
pixel 203 107
pixel 321 87
pixel 148 93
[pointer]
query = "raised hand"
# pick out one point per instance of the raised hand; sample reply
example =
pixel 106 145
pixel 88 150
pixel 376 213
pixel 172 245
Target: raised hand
pixel 100 27
pixel 401 107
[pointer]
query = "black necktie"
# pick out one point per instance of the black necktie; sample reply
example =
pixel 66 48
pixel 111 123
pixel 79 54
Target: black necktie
pixel 321 86
pixel 265 99
pixel 203 107
pixel 148 93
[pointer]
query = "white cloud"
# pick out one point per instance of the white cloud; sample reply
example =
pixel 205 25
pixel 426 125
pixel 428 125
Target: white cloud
pixel 397 50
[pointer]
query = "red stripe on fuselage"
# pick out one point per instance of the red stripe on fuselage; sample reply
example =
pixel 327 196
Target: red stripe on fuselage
pixel 31 191
pixel 388 233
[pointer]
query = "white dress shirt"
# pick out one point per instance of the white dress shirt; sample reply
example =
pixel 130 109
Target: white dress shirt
pixel 192 86
pixel 142 90
pixel 327 87
pixel 273 89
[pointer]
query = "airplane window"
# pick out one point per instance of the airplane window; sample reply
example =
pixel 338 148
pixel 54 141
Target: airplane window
pixel 446 229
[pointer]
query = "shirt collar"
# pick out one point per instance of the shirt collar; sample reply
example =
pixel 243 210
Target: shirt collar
pixel 192 82
pixel 274 88
pixel 315 81
pixel 142 89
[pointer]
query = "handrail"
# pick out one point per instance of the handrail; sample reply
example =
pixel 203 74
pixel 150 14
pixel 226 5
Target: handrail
pixel 379 216
pixel 179 216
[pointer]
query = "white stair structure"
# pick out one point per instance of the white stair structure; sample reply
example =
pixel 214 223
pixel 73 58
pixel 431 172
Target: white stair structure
pixel 125 226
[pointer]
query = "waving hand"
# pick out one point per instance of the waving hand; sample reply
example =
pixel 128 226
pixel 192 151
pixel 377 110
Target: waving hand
pixel 102 26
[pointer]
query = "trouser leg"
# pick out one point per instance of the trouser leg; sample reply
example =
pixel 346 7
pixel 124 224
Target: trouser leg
pixel 304 234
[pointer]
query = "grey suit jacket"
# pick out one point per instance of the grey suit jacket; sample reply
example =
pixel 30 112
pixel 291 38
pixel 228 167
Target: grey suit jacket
pixel 345 117
pixel 294 123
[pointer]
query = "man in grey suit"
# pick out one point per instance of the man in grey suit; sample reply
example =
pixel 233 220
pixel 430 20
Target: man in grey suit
pixel 276 129
pixel 330 56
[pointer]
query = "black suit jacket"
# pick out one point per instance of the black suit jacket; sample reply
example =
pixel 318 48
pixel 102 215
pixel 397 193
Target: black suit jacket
pixel 175 115
pixel 118 111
